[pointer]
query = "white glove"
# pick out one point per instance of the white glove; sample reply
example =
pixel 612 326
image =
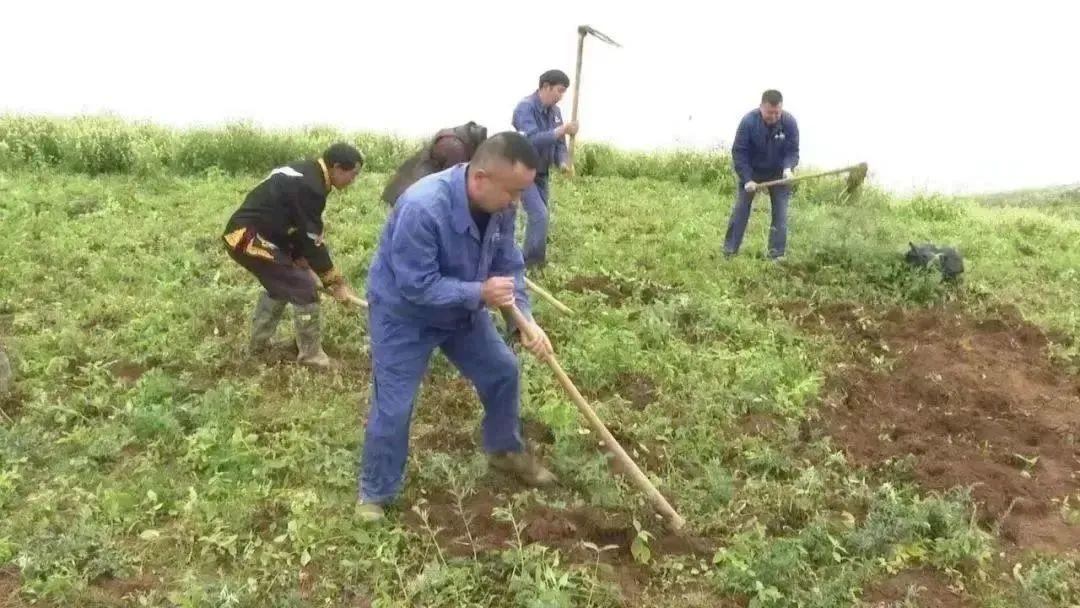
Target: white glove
pixel 751 186
pixel 788 173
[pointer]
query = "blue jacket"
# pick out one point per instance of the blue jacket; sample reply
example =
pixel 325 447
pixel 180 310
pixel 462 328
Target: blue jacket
pixel 538 123
pixel 431 262
pixel 761 152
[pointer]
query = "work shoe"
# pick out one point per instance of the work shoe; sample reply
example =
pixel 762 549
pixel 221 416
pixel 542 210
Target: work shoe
pixel 309 337
pixel 264 322
pixel 523 466
pixel 370 511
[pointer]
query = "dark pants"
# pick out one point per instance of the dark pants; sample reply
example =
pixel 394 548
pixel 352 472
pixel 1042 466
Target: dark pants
pixel 286 282
pixel 740 216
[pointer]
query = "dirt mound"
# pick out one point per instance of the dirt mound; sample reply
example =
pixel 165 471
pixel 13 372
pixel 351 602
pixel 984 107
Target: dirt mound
pixel 637 389
pixel 555 527
pixel 536 432
pixel 118 591
pixel 10 407
pixel 447 398
pixel 974 402
pixel 616 292
pixel 127 372
pixel 472 524
pixel 432 438
pixel 694 327
pixel 923 587
pixel 619 289
pixel 10 583
pixel 445 440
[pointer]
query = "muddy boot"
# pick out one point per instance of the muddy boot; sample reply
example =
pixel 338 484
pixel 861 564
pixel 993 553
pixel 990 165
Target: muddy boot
pixel 309 337
pixel 264 323
pixel 523 466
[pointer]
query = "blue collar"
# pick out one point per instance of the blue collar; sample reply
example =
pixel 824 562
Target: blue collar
pixel 761 120
pixel 461 217
pixel 535 97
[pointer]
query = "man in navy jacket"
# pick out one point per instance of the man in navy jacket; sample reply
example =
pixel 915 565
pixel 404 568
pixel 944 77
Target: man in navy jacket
pixel 766 148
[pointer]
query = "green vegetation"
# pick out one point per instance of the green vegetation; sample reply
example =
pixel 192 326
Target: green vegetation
pixel 144 460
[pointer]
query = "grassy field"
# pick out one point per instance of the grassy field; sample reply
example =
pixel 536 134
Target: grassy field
pixel 837 428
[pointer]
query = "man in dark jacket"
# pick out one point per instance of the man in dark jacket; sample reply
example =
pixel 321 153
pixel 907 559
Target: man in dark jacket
pixel 449 147
pixel 766 148
pixel 277 235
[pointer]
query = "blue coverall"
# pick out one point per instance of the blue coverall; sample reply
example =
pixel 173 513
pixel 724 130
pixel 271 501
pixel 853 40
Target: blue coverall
pixel 423 292
pixel 538 124
pixel 761 153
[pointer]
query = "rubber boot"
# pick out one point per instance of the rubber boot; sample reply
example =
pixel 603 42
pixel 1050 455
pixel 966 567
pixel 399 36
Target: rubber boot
pixel 309 336
pixel 264 323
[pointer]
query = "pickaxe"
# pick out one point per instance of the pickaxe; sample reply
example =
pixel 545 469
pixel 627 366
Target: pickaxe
pixel 563 308
pixel 356 300
pixel 637 476
pixel 543 293
pixel 855 177
pixel 582 30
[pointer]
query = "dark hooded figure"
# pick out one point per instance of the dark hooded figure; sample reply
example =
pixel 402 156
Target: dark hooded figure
pixel 448 148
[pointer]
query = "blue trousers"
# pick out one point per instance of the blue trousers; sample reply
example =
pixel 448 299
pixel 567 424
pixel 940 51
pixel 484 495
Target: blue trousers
pixel 740 216
pixel 535 202
pixel 400 351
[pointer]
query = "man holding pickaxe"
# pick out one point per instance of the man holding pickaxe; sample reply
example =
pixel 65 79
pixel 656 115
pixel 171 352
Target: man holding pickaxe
pixel 446 255
pixel 538 118
pixel 277 235
pixel 766 148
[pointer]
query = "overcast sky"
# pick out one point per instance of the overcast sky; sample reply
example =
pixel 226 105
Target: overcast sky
pixel 946 95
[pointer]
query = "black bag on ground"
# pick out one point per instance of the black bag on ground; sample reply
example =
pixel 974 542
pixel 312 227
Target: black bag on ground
pixel 948 259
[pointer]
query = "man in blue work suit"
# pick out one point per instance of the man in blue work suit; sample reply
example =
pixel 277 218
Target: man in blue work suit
pixel 766 148
pixel 538 118
pixel 447 252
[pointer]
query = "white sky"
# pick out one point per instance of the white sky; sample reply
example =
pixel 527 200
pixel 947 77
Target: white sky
pixel 946 95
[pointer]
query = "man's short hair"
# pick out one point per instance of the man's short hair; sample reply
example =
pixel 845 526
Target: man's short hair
pixel 343 154
pixel 508 146
pixel 772 97
pixel 554 78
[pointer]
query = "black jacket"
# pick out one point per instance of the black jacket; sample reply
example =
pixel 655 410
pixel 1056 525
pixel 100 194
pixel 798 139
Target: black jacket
pixel 282 217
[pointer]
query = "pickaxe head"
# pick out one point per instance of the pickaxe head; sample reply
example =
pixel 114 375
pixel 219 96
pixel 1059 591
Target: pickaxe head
pixel 855 178
pixel 587 29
